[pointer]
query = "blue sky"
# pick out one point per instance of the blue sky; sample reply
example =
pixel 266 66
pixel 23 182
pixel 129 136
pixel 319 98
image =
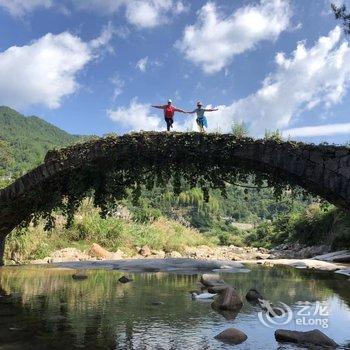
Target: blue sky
pixel 96 66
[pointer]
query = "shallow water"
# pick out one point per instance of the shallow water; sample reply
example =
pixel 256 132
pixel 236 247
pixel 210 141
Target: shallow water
pixel 44 308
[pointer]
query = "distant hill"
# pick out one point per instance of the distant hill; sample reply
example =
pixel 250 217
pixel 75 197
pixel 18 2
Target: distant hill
pixel 29 138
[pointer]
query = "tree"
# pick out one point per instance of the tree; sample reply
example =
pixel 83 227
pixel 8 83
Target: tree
pixel 340 13
pixel 6 157
pixel 6 162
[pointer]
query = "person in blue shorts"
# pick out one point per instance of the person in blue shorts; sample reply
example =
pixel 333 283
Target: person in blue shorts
pixel 201 118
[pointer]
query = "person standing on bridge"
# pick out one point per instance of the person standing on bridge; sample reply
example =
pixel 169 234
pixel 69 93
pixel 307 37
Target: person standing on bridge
pixel 169 112
pixel 201 118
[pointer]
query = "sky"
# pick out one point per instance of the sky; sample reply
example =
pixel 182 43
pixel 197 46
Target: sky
pixel 97 66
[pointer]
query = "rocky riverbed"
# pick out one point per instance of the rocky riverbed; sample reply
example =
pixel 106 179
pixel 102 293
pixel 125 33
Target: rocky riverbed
pixel 295 256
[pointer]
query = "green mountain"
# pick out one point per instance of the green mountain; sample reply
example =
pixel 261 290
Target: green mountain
pixel 26 140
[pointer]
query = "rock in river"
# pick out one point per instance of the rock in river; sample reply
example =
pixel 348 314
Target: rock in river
pixel 125 279
pixel 79 276
pixel 314 337
pixel 211 280
pixel 232 336
pixel 228 299
pixel 253 296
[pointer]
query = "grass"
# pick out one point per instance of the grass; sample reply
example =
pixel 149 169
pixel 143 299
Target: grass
pixel 313 226
pixel 111 233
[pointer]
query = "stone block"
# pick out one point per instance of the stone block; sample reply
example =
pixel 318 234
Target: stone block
pixel 344 161
pixel 332 164
pixel 316 157
pixel 345 172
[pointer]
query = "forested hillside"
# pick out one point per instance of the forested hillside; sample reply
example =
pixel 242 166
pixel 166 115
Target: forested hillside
pixel 24 141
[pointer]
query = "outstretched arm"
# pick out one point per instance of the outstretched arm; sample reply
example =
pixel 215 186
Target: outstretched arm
pixel 211 110
pixel 191 112
pixel 179 110
pixel 160 107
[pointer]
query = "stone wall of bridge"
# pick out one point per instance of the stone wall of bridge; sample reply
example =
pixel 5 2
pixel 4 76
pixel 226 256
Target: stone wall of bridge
pixel 321 169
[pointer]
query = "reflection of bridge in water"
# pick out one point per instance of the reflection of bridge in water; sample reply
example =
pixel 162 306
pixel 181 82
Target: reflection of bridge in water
pixel 108 166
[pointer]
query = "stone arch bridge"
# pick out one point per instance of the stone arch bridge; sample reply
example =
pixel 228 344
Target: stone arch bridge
pixel 321 169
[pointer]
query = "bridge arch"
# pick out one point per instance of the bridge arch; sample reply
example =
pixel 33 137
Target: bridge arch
pixel 109 165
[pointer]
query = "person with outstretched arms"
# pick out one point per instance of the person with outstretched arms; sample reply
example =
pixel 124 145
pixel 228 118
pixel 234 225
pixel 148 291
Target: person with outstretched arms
pixel 201 118
pixel 169 112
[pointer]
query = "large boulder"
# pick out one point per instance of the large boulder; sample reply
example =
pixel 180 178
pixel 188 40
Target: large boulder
pixel 314 337
pixel 232 336
pixel 98 252
pixel 227 299
pixel 175 254
pixel 145 251
pixel 339 256
pixel 211 280
pixel 345 258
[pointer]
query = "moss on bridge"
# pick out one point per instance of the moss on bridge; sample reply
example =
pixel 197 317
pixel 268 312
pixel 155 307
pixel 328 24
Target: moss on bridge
pixel 106 168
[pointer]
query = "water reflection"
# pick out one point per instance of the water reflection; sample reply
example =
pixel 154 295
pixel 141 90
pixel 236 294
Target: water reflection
pixel 43 308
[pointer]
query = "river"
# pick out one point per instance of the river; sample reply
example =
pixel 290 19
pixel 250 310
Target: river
pixel 45 308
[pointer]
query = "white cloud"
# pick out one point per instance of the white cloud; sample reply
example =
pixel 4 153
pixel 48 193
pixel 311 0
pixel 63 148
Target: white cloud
pixel 214 40
pixel 316 76
pixel 142 64
pixel 147 13
pixel 104 38
pixel 151 13
pixel 21 7
pixel 45 71
pixel 180 7
pixel 318 130
pixel 137 116
pixel 118 86
pixel 141 13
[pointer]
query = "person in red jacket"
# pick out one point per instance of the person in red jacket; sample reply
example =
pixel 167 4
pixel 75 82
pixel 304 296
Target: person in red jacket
pixel 169 111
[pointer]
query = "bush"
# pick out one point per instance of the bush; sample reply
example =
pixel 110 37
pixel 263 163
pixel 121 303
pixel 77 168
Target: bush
pixel 273 135
pixel 232 236
pixel 239 130
pixel 146 214
pixel 261 236
pixel 315 225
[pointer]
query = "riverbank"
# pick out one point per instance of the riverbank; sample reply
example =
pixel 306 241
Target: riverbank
pixel 201 252
pixel 217 257
pixel 195 266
